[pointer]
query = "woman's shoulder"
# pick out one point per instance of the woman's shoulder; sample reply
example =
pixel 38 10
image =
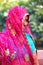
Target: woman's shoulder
pixel 4 34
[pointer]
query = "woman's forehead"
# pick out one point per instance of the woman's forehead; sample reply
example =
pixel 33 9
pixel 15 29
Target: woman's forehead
pixel 26 16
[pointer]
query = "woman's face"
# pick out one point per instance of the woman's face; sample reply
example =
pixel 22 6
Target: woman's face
pixel 25 21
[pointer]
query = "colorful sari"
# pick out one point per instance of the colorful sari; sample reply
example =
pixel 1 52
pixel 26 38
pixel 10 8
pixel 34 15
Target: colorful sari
pixel 14 47
pixel 29 31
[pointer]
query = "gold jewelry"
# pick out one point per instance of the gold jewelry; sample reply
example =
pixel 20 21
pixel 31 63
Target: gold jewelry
pixel 27 58
pixel 7 52
pixel 13 32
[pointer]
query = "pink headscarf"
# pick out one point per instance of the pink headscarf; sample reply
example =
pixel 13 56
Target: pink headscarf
pixel 16 14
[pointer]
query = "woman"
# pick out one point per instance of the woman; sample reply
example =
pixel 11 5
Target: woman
pixel 28 28
pixel 14 45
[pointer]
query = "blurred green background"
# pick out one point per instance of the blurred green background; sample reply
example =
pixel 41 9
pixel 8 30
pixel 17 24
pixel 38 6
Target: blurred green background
pixel 34 7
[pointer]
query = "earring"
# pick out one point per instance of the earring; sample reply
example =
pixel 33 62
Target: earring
pixel 7 52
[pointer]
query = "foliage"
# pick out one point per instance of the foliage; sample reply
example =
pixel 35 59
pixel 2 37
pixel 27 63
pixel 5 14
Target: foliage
pixel 38 43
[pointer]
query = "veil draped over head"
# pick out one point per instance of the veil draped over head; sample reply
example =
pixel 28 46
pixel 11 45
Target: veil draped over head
pixel 14 26
pixel 15 17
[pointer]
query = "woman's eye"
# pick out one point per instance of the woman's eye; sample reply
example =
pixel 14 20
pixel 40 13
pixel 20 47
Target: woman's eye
pixel 26 19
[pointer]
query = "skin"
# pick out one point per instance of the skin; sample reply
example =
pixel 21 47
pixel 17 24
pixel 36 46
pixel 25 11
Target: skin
pixel 25 22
